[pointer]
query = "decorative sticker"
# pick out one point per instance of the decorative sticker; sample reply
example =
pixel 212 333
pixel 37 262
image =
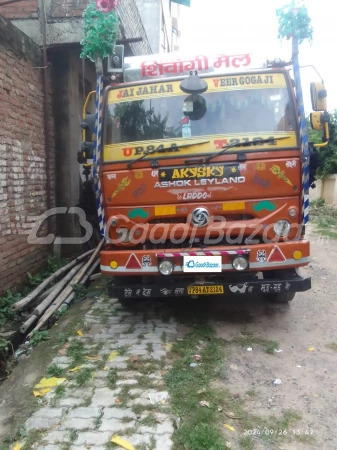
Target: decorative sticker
pixel 122 185
pixel 261 256
pixel 138 212
pixel 165 210
pixel 199 172
pixel 276 255
pixel 233 206
pixel 215 84
pixel 276 170
pixel 154 173
pixel 260 166
pixel 138 174
pixel 265 183
pixel 146 260
pixel 238 288
pixel 166 291
pixel 111 176
pixel 291 164
pixel 202 145
pixel 133 262
pixel 140 191
pixel 264 205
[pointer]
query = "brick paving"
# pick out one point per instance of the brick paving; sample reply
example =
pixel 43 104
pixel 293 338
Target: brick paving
pixel 88 416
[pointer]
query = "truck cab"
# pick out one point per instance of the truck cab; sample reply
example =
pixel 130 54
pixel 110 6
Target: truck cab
pixel 202 179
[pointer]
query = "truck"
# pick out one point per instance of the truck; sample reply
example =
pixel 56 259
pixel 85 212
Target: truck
pixel 201 177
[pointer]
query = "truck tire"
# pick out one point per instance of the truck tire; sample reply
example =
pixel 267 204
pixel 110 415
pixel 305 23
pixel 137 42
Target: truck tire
pixel 282 297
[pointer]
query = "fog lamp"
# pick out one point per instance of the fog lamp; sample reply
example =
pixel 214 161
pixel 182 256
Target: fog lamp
pixel 165 267
pixel 240 263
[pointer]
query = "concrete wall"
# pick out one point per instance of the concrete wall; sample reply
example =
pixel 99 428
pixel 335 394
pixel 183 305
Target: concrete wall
pixel 326 189
pixel 64 22
pixel 23 195
pixel 150 12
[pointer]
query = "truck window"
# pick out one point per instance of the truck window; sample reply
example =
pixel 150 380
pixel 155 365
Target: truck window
pixel 160 112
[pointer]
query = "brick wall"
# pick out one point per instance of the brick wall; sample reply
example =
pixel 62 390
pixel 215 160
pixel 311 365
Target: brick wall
pixel 67 8
pixel 27 9
pixel 22 156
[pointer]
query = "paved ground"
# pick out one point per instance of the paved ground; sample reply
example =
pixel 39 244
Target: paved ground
pixel 87 417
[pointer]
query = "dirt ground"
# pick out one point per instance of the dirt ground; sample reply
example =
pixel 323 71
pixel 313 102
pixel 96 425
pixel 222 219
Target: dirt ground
pixel 308 377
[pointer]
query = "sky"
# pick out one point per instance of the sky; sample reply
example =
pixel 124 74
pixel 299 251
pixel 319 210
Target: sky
pixel 250 26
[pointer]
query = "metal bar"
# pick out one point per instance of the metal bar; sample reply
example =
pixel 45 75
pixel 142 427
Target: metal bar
pixel 45 107
pixel 97 153
pixel 303 133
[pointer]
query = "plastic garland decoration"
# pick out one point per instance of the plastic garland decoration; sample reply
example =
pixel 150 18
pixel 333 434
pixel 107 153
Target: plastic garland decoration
pixel 107 5
pixel 100 32
pixel 294 21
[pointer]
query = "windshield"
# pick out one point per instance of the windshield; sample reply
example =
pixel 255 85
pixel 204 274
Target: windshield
pixel 240 113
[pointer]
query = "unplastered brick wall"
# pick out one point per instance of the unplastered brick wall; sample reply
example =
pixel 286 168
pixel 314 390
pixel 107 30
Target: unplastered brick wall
pixel 26 9
pixel 23 195
pixel 67 8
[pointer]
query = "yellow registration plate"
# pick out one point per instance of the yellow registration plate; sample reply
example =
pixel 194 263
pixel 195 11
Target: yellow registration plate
pixel 205 290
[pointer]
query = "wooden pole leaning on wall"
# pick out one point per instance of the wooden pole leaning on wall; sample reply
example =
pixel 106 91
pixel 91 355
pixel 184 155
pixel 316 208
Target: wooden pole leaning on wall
pixel 65 294
pixel 30 297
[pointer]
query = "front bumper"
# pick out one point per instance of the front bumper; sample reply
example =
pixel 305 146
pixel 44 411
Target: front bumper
pixel 186 286
pixel 130 262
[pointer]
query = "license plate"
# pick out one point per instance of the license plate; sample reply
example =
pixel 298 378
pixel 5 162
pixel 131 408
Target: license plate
pixel 205 290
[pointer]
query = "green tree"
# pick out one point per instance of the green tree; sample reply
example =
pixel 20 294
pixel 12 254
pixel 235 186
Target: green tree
pixel 328 154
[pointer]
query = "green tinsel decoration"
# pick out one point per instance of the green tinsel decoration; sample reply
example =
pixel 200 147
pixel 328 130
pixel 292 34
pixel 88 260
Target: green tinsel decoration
pixel 100 33
pixel 294 21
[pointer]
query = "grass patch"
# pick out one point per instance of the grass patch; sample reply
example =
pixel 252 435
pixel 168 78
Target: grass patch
pixel 130 330
pixel 112 378
pixel 145 367
pixel 60 390
pixel 76 352
pixel 251 393
pixel 55 371
pixel 201 427
pixel 83 376
pixel 149 347
pixel 332 346
pixel 164 337
pixel 149 421
pixel 308 439
pixel 246 443
pixel 123 350
pixel 271 346
pixel 325 218
pixel 248 340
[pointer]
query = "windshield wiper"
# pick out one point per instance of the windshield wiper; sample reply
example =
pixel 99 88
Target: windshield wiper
pixel 165 148
pixel 243 144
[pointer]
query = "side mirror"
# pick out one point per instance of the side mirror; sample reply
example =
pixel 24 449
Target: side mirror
pixel 318 95
pixel 321 122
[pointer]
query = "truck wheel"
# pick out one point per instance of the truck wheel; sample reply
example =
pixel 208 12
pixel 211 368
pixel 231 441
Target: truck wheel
pixel 283 297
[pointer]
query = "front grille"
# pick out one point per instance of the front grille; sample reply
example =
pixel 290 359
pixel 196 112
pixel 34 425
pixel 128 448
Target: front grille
pixel 228 217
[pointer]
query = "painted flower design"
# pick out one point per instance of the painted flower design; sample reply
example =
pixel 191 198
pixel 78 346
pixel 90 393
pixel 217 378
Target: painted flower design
pixel 107 5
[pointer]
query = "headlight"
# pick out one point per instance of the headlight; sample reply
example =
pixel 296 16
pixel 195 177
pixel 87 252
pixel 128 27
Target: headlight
pixel 240 263
pixel 165 267
pixel 123 235
pixel 282 228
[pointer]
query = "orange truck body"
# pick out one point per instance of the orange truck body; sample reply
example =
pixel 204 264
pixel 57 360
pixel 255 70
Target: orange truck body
pixel 245 191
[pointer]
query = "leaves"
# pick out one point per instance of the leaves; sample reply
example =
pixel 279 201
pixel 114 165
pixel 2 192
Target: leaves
pixel 294 22
pixel 100 33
